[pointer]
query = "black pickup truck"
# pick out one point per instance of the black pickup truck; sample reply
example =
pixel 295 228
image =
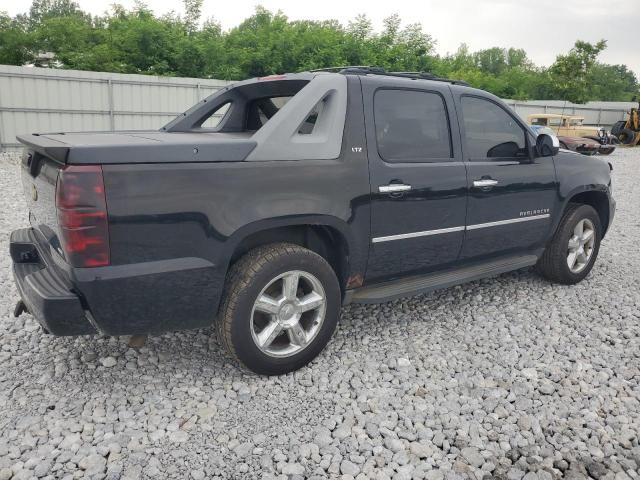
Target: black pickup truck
pixel 276 200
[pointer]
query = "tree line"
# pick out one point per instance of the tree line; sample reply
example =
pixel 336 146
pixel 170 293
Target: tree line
pixel 58 33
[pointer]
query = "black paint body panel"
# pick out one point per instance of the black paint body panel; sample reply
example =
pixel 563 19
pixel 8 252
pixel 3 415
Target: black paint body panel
pixel 176 216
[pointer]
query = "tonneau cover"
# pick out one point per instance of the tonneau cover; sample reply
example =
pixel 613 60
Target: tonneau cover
pixel 141 146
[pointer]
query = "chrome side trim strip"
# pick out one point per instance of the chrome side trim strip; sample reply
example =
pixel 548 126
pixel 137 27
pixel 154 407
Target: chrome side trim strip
pixel 424 233
pixel 507 222
pixel 427 233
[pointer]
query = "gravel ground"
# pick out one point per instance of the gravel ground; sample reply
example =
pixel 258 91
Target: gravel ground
pixel 510 378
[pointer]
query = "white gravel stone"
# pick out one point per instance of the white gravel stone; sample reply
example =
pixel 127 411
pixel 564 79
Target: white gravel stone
pixel 108 362
pixel 472 456
pixel 92 462
pixel 179 436
pixel 504 377
pixel 403 363
pixel 292 469
pixel 198 474
pixel 349 468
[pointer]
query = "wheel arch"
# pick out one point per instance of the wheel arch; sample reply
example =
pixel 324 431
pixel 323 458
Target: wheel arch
pixel 597 199
pixel 327 236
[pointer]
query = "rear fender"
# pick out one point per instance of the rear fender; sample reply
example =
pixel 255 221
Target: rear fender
pixel 356 255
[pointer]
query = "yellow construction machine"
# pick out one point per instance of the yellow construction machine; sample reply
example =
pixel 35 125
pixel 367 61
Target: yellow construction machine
pixel 628 131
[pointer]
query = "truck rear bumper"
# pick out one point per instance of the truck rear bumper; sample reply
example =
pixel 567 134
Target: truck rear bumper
pixel 141 298
pixel 46 293
pixel 151 297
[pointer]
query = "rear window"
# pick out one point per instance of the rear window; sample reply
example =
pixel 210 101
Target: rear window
pixel 260 111
pixel 263 109
pixel 242 108
pixel 411 126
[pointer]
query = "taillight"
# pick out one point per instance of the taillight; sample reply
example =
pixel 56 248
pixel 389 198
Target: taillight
pixel 82 215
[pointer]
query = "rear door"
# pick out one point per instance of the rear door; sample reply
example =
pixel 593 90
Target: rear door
pixel 511 194
pixel 418 179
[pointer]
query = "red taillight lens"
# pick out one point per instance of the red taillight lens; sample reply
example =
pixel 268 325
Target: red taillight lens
pixel 82 215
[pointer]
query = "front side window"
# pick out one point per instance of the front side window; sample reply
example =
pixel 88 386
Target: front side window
pixel 490 132
pixel 411 126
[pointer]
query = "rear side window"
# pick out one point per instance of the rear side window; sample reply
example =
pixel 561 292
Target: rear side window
pixel 411 126
pixel 490 132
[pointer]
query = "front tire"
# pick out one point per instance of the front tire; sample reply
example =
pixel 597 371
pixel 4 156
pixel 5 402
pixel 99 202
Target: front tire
pixel 570 256
pixel 280 308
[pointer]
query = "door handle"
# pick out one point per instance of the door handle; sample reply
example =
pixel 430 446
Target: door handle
pixel 485 183
pixel 394 188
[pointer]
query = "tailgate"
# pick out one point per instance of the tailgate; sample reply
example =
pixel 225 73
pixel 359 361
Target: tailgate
pixel 39 174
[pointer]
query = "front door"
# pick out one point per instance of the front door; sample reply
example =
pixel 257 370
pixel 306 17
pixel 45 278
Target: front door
pixel 418 179
pixel 511 194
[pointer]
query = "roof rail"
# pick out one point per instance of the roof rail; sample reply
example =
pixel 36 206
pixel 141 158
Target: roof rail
pixel 338 69
pixel 368 70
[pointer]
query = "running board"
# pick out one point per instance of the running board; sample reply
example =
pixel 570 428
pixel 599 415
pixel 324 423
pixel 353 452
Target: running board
pixel 405 287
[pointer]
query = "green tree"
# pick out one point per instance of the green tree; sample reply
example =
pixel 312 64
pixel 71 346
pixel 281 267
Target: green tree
pixel 492 60
pixel 360 27
pixel 42 10
pixel 613 82
pixel 143 43
pixel 570 73
pixel 193 10
pixel 137 41
pixel 16 43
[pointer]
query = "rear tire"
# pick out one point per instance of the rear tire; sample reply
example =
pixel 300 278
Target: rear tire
pixel 626 136
pixel 606 150
pixel 570 256
pixel 280 308
pixel 617 127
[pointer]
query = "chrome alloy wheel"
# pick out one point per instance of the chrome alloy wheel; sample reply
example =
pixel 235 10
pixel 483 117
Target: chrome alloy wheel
pixel 288 313
pixel 581 245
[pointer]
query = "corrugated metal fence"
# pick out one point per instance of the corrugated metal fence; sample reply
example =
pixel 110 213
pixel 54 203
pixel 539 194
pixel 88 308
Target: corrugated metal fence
pixel 48 100
pixel 595 113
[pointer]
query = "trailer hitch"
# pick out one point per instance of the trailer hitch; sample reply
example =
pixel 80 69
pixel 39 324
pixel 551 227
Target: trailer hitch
pixel 20 309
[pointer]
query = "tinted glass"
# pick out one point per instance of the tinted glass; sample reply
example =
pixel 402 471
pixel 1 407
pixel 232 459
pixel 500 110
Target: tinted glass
pixel 411 126
pixel 261 110
pixel 309 123
pixel 490 131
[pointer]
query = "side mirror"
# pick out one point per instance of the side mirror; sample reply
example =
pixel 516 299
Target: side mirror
pixel 547 145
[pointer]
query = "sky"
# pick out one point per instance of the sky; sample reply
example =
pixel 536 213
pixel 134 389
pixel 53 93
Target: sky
pixel 543 28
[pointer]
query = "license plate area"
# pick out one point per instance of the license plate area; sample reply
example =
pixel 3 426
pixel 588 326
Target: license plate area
pixel 24 253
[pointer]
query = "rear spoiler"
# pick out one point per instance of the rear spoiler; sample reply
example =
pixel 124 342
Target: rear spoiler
pixel 46 146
